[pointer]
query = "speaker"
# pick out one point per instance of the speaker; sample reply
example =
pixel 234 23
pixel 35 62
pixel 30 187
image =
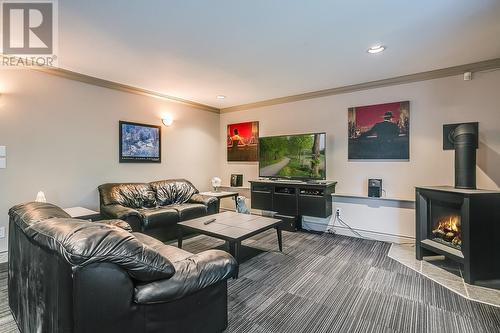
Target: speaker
pixel 375 188
pixel 236 180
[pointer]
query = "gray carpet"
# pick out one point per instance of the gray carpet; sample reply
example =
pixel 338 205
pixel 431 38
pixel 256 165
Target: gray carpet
pixel 325 283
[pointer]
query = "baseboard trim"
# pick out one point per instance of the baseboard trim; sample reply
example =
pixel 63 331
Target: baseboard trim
pixel 4 256
pixel 369 234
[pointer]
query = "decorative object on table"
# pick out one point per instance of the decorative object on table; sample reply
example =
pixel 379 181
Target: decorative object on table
pixel 464 139
pixel 374 188
pixel 216 183
pixel 140 143
pixel 379 131
pixel 241 206
pixel 40 197
pixel 243 142
pixel 236 180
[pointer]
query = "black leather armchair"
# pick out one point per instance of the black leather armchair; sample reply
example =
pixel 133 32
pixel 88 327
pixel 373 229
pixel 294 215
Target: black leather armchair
pixel 68 275
pixel 155 208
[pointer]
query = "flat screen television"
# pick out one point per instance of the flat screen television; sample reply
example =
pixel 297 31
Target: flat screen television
pixel 299 156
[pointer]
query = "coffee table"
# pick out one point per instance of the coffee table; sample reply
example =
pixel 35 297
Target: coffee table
pixel 231 227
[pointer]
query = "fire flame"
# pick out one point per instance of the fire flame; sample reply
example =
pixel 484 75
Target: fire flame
pixel 448 229
pixel 451 223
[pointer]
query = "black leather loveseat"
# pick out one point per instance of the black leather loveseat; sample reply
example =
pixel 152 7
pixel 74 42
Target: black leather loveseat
pixel 74 276
pixel 155 208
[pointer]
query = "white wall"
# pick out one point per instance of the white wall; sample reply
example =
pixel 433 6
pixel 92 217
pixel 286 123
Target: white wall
pixel 62 138
pixel 432 104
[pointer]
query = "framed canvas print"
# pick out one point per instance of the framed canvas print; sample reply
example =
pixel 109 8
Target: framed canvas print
pixel 243 142
pixel 379 132
pixel 139 143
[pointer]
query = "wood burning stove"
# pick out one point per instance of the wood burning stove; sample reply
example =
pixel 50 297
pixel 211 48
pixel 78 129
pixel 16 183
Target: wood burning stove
pixel 460 222
pixel 464 226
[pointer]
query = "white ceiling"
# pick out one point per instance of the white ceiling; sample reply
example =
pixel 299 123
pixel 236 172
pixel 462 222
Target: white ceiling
pixel 260 49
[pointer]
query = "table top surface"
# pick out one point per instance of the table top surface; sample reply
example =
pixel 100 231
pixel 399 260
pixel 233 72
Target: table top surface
pixel 231 225
pixel 220 194
pixel 79 211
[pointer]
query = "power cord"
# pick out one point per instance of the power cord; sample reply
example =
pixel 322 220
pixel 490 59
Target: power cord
pixel 338 218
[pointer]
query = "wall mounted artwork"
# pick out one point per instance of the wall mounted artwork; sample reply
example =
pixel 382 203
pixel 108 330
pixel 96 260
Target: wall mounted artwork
pixel 140 143
pixel 379 132
pixel 243 142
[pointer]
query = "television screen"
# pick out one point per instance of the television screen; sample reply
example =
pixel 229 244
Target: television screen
pixel 293 156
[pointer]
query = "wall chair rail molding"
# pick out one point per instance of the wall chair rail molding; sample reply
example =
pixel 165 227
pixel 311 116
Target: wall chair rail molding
pixel 423 76
pixel 71 75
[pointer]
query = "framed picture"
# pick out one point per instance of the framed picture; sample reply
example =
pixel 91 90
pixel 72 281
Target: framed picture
pixel 379 131
pixel 139 143
pixel 243 142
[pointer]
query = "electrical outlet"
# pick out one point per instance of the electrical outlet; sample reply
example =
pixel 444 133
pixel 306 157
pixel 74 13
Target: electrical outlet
pixel 2 232
pixel 338 211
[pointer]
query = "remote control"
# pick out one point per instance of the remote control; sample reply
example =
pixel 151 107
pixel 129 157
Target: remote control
pixel 209 221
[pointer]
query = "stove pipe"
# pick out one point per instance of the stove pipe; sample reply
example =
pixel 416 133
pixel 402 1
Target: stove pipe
pixel 464 138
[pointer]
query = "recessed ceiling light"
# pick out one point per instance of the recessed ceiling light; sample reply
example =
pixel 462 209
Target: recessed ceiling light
pixel 221 97
pixel 376 49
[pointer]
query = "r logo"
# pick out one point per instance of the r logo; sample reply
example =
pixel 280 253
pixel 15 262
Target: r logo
pixel 27 27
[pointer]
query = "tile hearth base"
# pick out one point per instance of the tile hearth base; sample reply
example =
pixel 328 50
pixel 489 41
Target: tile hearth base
pixel 445 272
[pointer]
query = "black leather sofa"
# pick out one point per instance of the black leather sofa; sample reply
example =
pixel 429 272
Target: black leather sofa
pixel 68 275
pixel 155 208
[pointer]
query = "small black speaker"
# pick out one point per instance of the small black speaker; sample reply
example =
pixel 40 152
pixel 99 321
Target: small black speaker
pixel 236 180
pixel 375 188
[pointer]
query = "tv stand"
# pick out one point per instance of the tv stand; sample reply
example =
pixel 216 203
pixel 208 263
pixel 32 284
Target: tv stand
pixel 292 199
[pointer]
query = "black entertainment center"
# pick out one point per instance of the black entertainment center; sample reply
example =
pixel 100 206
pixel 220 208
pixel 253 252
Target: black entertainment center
pixel 292 199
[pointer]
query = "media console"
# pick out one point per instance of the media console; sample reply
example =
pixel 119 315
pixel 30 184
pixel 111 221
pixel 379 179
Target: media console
pixel 293 199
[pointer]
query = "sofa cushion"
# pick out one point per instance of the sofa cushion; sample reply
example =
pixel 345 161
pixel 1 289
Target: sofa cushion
pixel 133 195
pixel 117 223
pixel 174 254
pixel 174 191
pixel 158 217
pixel 192 274
pixel 81 243
pixel 188 211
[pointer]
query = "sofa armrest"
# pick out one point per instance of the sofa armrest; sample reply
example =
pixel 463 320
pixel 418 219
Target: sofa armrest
pixel 191 275
pixel 129 215
pixel 212 203
pixel 118 223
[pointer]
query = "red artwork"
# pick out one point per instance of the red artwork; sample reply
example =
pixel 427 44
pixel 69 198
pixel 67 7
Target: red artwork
pixel 242 142
pixel 380 131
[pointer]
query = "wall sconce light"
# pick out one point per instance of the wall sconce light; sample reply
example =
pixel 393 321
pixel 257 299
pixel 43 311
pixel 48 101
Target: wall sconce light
pixel 167 120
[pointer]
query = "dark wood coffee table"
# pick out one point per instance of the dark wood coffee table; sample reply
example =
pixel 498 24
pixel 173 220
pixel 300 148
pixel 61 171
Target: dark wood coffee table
pixel 231 227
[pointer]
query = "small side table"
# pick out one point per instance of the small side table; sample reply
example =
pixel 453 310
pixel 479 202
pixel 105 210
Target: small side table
pixel 83 213
pixel 223 194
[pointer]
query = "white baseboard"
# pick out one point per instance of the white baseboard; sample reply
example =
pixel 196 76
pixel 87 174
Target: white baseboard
pixel 340 230
pixel 3 257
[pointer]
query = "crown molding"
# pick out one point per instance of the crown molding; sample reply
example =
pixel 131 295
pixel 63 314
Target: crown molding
pixel 423 76
pixel 67 74
pixel 75 76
